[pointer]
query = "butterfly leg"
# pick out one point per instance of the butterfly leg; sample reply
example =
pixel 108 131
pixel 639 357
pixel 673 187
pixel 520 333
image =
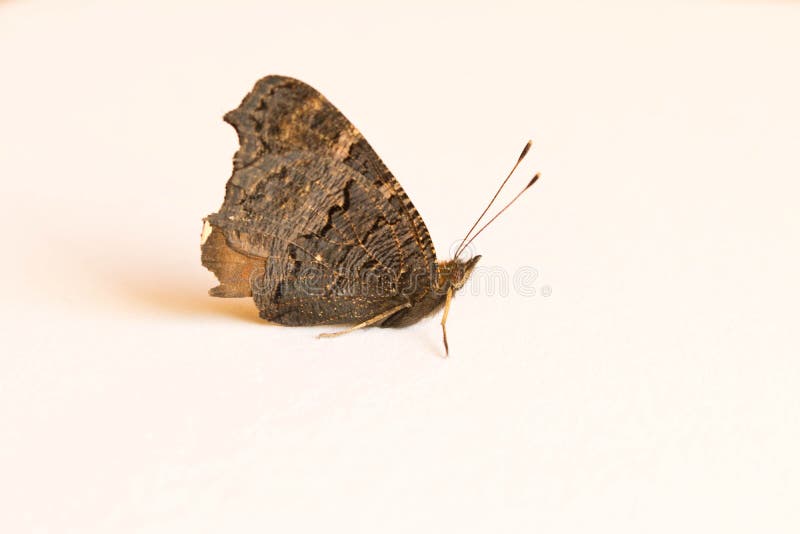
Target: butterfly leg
pixel 368 322
pixel 444 320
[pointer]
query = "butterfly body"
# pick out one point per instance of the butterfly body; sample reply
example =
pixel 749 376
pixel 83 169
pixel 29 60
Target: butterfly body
pixel 314 227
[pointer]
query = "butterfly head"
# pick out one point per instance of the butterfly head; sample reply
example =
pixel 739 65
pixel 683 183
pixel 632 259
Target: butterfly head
pixel 455 273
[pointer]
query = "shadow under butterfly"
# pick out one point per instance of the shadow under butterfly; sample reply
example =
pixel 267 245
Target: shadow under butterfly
pixel 316 229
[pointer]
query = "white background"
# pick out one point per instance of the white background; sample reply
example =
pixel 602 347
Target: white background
pixel 657 389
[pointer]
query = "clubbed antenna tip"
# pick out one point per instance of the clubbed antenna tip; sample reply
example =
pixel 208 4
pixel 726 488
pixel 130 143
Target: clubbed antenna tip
pixel 525 151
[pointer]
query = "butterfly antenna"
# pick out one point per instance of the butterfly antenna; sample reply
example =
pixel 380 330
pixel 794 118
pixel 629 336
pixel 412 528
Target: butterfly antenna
pixel 489 205
pixel 533 181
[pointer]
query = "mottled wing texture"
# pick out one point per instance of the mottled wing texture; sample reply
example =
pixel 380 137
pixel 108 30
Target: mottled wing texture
pixel 313 226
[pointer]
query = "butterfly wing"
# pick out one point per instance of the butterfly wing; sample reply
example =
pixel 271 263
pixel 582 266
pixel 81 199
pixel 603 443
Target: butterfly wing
pixel 312 218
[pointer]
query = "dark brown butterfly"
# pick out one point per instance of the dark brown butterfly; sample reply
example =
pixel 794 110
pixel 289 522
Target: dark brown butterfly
pixel 314 226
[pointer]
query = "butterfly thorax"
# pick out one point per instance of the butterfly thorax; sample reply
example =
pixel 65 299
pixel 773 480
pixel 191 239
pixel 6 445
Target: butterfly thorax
pixel 451 275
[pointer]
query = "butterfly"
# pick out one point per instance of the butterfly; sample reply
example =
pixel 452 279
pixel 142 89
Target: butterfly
pixel 316 229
